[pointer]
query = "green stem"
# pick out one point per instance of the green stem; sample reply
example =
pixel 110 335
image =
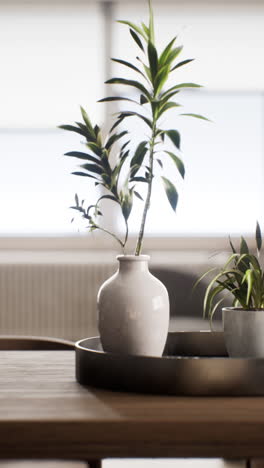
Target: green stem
pixel 113 235
pixel 126 236
pixel 147 202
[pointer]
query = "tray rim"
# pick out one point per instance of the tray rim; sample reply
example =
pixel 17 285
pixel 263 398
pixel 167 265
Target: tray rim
pixel 79 347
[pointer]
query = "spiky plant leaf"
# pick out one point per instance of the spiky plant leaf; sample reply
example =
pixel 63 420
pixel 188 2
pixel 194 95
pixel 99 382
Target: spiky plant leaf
pixel 129 65
pixel 136 114
pixel 95 148
pixel 153 60
pixel 133 83
pixel 173 55
pixel 180 86
pixel 258 237
pixel 143 99
pixel 243 246
pixel 92 168
pixel 171 192
pixel 197 116
pixel 174 137
pixel 178 163
pixel 71 128
pixel 167 106
pixel 134 27
pixel 161 79
pixel 164 55
pixel 114 138
pixel 87 122
pixel 138 195
pixel 151 24
pixel 84 156
pixel 117 98
pixel 136 39
pixel 84 174
pixel 180 64
pixel 138 157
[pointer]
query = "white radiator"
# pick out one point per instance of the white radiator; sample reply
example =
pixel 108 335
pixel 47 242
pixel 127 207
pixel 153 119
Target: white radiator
pixel 51 299
pixel 53 293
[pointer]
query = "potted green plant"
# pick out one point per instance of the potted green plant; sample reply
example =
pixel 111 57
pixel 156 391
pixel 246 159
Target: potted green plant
pixel 133 305
pixel 242 277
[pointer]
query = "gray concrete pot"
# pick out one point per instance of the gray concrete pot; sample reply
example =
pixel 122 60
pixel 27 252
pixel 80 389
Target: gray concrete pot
pixel 243 332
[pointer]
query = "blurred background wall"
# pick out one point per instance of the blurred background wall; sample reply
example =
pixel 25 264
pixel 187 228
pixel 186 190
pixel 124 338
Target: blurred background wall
pixel 55 56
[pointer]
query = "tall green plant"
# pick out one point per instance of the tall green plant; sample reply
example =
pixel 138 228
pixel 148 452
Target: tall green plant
pixel 154 100
pixel 242 276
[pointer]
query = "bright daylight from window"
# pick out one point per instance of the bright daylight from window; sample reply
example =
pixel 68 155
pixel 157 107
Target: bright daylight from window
pixel 45 77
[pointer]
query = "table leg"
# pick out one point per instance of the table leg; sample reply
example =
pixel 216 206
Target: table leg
pixel 255 463
pixel 94 463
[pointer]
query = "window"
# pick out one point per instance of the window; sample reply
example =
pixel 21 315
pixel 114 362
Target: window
pixel 53 60
pixel 50 64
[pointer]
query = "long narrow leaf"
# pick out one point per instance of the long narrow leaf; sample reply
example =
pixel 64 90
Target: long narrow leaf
pixel 92 168
pixel 171 192
pixel 167 106
pixel 197 116
pixel 164 55
pixel 212 312
pixel 173 54
pixel 133 83
pixel 129 65
pixel 174 137
pixel 180 64
pixel 178 162
pixel 199 280
pixel 134 27
pixel 248 278
pixel 139 155
pixel 114 138
pixel 151 24
pixel 139 179
pixel 136 114
pixel 71 128
pixel 161 79
pixel 243 246
pixel 138 195
pixel 83 174
pixel 258 237
pixel 153 60
pixel 84 156
pixel 107 197
pixel 87 122
pixel 232 246
pixel 209 298
pixel 117 98
pixel 180 86
pixel 136 39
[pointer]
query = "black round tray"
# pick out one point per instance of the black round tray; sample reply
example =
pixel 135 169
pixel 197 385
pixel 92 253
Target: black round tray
pixel 193 363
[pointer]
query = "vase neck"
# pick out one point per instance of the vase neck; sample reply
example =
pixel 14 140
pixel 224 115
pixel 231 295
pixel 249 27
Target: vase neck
pixel 129 263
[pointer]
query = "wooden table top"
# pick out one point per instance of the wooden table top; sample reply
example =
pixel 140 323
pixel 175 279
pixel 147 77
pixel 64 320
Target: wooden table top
pixel 45 413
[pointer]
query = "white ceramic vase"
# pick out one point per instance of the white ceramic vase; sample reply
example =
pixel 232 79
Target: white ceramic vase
pixel 133 310
pixel 243 332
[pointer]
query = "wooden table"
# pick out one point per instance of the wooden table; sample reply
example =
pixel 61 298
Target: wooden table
pixel 45 413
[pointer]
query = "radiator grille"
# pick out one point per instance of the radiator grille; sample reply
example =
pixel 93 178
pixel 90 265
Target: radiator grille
pixel 51 300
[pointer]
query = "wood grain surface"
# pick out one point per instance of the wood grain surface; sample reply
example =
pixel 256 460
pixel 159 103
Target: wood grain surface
pixel 45 413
